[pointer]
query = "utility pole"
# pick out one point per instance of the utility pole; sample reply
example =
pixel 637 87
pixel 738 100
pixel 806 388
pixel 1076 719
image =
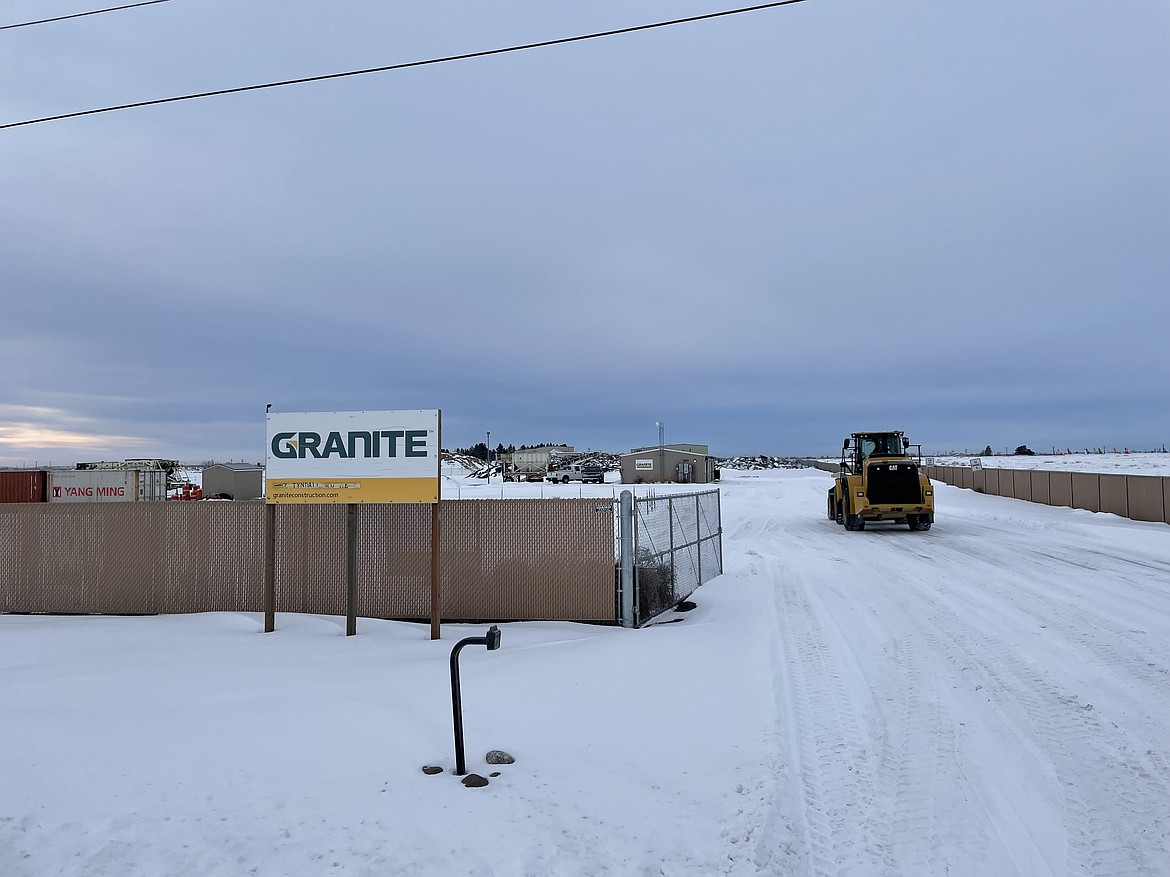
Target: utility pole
pixel 489 456
pixel 661 451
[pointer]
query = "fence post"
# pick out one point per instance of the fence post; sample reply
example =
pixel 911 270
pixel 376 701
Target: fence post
pixel 351 529
pixel 670 523
pixel 719 525
pixel 436 606
pixel 270 568
pixel 699 534
pixel 626 515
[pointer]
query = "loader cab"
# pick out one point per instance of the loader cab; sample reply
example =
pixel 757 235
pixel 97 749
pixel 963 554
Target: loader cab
pixel 883 445
pixel 860 446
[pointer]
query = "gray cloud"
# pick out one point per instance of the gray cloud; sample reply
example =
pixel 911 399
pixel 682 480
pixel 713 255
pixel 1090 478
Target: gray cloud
pixel 766 231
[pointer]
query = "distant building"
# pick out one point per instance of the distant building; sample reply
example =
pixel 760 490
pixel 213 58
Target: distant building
pixel 669 464
pixel 233 481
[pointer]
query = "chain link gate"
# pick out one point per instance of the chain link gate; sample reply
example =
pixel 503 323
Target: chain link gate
pixel 670 546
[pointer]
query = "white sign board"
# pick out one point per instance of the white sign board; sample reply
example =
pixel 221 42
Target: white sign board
pixel 353 456
pixel 643 465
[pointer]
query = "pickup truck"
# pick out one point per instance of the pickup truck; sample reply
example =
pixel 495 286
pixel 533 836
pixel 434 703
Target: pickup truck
pixel 586 473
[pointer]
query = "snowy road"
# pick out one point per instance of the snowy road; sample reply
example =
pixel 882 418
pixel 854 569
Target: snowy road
pixel 990 697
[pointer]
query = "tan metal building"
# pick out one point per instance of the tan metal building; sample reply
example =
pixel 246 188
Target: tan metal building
pixel 233 481
pixel 669 464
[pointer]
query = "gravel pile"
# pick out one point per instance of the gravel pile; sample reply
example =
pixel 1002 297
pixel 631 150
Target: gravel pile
pixel 763 461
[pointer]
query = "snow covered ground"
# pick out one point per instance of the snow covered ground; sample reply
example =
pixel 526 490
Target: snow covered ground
pixel 987 698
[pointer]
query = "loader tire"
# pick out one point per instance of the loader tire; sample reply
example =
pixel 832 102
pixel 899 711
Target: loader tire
pixel 853 522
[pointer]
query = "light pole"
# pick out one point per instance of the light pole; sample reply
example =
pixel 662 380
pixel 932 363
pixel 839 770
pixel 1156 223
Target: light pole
pixel 489 456
pixel 661 451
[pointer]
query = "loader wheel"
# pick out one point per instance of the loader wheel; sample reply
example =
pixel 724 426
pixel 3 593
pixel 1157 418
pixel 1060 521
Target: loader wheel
pixel 832 509
pixel 914 521
pixel 840 516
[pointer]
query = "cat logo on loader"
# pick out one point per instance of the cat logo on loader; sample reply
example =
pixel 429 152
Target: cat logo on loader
pixel 879 480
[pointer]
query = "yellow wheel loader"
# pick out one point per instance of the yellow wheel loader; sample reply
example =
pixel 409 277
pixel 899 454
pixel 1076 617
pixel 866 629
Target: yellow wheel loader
pixel 881 479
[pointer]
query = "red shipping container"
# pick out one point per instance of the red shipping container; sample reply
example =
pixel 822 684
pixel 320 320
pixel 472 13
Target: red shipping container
pixel 23 486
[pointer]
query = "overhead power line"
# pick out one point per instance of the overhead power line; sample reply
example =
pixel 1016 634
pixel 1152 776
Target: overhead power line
pixel 82 14
pixel 408 64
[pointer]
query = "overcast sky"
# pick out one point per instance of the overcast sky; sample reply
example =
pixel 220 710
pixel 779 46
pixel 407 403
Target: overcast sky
pixel 766 231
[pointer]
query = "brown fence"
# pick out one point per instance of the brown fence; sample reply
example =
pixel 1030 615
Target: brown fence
pixel 1138 497
pixel 821 464
pixel 548 559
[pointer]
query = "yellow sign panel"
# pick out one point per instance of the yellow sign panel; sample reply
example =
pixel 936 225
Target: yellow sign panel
pixel 291 490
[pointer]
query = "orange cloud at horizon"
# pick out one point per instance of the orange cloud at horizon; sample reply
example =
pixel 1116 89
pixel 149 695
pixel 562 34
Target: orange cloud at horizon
pixel 31 435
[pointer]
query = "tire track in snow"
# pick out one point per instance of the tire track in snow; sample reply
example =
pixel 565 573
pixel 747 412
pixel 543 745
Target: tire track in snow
pixel 1114 795
pixel 925 822
pixel 836 766
pixel 1079 555
pixel 1112 646
pixel 771 831
pixel 1128 591
pixel 901 806
pixel 916 768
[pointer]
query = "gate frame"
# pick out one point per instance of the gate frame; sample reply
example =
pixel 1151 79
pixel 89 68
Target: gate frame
pixel 628 524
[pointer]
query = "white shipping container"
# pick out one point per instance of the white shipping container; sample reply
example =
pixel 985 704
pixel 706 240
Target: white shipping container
pixel 152 485
pixel 93 485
